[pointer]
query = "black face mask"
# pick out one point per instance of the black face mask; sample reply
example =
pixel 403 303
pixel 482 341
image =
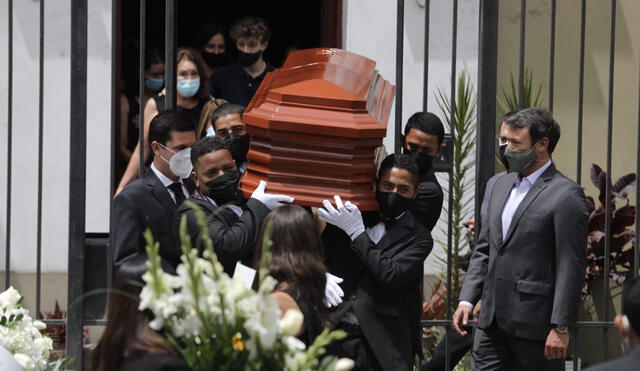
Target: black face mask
pixel 503 158
pixel 215 60
pixel 224 189
pixel 247 59
pixel 392 204
pixel 239 145
pixel 424 162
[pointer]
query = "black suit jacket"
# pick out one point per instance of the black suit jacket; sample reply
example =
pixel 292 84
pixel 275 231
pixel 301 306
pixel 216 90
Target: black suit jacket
pixel 234 238
pixel 382 286
pixel 428 203
pixel 145 203
pixel 629 362
pixel 533 278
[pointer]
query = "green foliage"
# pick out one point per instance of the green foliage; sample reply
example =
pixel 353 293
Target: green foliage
pixel 509 100
pixel 463 120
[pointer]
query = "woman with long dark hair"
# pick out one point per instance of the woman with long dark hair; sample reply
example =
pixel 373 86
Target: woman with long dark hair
pixel 128 344
pixel 297 264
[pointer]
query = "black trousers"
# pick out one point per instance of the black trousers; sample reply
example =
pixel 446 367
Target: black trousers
pixel 459 346
pixel 355 347
pixel 495 350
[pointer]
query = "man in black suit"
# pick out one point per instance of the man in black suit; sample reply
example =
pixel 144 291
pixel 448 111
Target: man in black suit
pixel 233 223
pixel 423 136
pixel 381 263
pixel 150 201
pixel 528 264
pixel 628 323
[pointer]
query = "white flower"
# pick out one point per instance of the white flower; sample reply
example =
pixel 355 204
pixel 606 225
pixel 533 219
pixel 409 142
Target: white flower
pixel 293 343
pixel 343 364
pixel 25 361
pixel 39 325
pixel 291 323
pixel 9 298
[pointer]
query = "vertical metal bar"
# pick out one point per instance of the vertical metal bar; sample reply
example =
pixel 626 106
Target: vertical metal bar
pixel 607 241
pixel 7 277
pixel 454 54
pixel 523 27
pixel 583 17
pixel 552 54
pixel 636 243
pixel 425 83
pixel 574 343
pixel 399 73
pixel 170 54
pixel 115 96
pixel 40 152
pixel 487 77
pixel 77 179
pixel 143 44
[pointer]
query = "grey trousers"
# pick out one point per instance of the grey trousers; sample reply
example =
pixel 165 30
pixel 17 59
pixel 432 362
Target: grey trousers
pixel 495 350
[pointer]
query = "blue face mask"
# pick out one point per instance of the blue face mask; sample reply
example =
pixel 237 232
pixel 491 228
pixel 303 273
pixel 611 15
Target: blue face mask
pixel 188 88
pixel 154 84
pixel 210 131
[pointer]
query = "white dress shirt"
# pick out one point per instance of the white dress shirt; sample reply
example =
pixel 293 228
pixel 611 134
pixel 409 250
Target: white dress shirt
pixel 520 189
pixel 166 182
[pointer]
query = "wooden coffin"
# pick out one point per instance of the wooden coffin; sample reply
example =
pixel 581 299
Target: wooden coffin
pixel 315 124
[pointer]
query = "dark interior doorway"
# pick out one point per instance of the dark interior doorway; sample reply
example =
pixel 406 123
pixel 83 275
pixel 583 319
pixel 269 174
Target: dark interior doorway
pixel 297 24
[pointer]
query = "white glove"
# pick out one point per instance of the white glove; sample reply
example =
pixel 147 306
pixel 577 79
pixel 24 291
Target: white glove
pixel 347 217
pixel 269 200
pixel 332 292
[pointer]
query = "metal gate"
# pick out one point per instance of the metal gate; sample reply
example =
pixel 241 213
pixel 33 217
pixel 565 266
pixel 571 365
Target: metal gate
pixel 487 92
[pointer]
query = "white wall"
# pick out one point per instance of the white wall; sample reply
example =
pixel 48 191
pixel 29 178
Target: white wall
pixel 369 29
pixel 55 184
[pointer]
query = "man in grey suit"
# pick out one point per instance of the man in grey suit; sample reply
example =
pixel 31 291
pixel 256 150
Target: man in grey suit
pixel 528 265
pixel 628 323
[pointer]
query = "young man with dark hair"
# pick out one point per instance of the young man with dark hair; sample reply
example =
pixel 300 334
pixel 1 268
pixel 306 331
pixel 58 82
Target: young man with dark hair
pixel 423 137
pixel 528 263
pixel 237 83
pixel 628 324
pixel 150 201
pixel 233 223
pixel 227 123
pixel 381 262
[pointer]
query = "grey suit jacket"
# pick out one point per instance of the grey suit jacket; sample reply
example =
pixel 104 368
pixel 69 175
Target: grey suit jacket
pixel 533 278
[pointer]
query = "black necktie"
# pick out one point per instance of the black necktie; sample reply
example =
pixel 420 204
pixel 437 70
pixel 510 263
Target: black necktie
pixel 176 188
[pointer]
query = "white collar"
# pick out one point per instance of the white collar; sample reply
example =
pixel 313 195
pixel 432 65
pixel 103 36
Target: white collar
pixel 163 178
pixel 531 178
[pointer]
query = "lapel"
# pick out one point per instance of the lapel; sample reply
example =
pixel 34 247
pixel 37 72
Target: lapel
pixel 536 188
pixel 502 190
pixel 400 229
pixel 159 191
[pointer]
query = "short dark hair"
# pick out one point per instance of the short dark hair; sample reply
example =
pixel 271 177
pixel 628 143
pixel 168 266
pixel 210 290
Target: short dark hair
pixel 207 31
pixel 400 161
pixel 207 145
pixel 631 304
pixel 165 123
pixel 250 27
pixel 225 109
pixel 427 123
pixel 540 122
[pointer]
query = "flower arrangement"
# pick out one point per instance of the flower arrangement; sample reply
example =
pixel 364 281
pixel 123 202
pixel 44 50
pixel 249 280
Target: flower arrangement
pixel 215 322
pixel 21 336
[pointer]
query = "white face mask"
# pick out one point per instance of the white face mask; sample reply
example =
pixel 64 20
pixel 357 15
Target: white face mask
pixel 210 131
pixel 180 163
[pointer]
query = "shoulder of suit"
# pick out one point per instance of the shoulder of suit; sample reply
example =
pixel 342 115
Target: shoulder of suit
pixel 429 184
pixel 134 189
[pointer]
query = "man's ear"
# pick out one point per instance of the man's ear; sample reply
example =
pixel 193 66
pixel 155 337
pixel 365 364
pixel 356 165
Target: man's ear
pixel 440 149
pixel 623 328
pixel 265 45
pixel 544 145
pixel 194 177
pixel 155 148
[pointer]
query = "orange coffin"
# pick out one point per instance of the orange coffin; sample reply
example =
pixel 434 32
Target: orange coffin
pixel 315 124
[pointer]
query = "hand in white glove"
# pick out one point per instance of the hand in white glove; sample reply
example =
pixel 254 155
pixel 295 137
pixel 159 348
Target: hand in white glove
pixel 269 200
pixel 332 292
pixel 346 217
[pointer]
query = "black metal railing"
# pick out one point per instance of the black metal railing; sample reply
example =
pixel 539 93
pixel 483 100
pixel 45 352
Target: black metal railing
pixel 485 141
